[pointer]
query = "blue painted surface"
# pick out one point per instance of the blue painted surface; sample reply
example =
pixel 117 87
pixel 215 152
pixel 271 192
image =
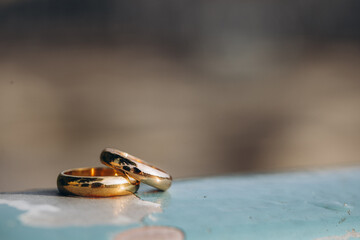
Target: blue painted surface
pixel 306 205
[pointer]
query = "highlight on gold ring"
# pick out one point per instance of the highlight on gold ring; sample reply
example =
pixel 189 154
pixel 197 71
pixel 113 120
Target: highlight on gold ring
pixel 96 182
pixel 136 168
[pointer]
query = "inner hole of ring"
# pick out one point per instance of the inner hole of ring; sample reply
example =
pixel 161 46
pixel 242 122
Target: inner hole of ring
pixel 94 172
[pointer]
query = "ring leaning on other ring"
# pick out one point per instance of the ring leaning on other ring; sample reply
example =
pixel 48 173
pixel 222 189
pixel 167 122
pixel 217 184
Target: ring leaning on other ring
pixel 136 168
pixel 96 182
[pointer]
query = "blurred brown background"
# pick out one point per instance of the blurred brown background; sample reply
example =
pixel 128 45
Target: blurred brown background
pixel 196 87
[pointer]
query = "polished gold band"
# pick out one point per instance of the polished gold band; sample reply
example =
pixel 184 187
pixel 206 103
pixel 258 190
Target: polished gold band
pixel 136 168
pixel 96 182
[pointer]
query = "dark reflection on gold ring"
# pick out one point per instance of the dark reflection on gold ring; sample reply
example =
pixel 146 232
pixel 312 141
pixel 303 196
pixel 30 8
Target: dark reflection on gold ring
pixel 136 168
pixel 96 182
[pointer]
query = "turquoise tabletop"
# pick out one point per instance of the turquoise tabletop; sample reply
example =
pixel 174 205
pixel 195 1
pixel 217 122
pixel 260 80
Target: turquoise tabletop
pixel 301 205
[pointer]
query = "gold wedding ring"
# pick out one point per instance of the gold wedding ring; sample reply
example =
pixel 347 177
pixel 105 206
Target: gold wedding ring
pixel 136 168
pixel 96 182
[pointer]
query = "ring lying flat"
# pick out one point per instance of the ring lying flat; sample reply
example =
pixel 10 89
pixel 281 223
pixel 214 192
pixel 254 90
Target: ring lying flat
pixel 96 182
pixel 136 168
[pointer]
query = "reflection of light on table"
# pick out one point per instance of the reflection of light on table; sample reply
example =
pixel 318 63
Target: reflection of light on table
pixel 57 211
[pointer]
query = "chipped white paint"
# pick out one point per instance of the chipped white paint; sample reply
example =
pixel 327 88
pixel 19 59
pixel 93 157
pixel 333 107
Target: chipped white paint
pixel 32 210
pixel 50 210
pixel 348 235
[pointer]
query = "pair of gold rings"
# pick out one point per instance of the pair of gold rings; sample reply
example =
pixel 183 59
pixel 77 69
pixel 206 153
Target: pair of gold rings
pixel 122 178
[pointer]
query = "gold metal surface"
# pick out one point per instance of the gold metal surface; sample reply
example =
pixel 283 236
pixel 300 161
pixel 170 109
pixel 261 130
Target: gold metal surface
pixel 96 182
pixel 136 168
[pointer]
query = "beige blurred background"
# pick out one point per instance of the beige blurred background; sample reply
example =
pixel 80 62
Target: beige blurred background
pixel 198 88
